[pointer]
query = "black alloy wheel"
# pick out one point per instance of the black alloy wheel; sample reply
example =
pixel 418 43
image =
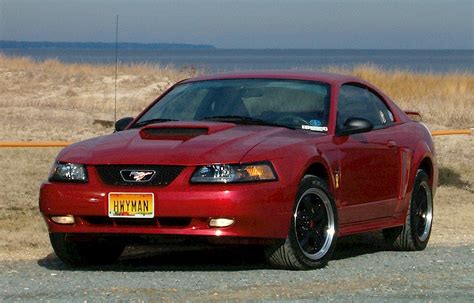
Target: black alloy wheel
pixel 313 231
pixel 415 233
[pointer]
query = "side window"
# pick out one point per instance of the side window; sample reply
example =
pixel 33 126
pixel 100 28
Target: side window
pixel 358 102
pixel 386 115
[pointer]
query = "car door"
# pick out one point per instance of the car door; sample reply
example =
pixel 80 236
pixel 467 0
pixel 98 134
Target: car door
pixel 370 161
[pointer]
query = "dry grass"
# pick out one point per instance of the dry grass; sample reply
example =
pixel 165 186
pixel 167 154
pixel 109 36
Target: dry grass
pixel 82 89
pixel 52 100
pixel 23 234
pixel 88 90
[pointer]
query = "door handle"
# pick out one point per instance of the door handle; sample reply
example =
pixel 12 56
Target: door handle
pixel 391 144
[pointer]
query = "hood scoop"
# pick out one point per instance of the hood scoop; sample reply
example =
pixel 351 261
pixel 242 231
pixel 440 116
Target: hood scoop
pixel 181 131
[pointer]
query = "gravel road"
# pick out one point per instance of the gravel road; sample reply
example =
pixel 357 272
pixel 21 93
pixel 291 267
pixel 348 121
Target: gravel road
pixel 362 270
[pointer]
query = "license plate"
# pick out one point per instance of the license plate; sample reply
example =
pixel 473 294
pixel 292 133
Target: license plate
pixel 131 205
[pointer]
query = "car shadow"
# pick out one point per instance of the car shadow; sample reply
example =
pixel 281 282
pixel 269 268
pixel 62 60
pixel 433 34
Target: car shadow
pixel 450 177
pixel 361 244
pixel 151 258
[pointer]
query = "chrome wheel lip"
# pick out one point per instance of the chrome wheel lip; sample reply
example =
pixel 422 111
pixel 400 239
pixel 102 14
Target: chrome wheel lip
pixel 331 226
pixel 428 212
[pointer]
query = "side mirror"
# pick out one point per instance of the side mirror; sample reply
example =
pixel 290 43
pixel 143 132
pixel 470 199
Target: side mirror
pixel 355 126
pixel 122 123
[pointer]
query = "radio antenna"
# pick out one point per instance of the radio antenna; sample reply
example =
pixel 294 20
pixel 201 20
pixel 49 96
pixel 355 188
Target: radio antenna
pixel 116 67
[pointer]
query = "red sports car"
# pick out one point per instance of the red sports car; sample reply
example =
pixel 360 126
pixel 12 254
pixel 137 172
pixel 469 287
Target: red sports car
pixel 287 160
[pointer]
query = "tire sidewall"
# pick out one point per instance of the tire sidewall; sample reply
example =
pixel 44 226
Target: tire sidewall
pixel 421 177
pixel 308 182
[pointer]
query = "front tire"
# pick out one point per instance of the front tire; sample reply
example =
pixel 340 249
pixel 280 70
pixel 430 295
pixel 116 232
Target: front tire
pixel 83 251
pixel 313 231
pixel 415 234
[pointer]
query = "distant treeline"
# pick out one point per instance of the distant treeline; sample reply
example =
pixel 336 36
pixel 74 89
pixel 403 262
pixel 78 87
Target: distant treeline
pixel 100 45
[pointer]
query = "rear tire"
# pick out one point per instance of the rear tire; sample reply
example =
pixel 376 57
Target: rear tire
pixel 83 251
pixel 415 234
pixel 313 231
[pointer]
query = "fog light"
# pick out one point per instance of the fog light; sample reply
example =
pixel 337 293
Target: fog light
pixel 220 222
pixel 68 219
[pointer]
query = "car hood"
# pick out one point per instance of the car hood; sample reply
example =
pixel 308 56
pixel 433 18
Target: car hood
pixel 177 143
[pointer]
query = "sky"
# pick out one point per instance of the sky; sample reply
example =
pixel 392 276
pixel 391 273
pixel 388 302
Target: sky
pixel 350 24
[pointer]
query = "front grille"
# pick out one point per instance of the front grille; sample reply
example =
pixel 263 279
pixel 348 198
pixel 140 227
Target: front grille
pixel 164 174
pixel 174 221
pixel 165 222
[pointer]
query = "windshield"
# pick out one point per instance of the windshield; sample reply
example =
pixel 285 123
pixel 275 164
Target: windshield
pixel 288 103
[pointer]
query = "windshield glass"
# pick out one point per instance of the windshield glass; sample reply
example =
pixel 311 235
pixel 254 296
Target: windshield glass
pixel 289 103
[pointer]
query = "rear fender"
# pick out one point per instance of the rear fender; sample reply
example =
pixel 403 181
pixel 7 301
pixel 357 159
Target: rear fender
pixel 422 152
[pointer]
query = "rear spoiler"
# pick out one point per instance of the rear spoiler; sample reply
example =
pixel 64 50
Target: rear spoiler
pixel 414 115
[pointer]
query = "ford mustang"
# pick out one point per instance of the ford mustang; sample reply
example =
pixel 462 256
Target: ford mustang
pixel 288 161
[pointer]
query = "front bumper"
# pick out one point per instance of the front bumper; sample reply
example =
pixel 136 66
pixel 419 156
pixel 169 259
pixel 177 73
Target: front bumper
pixel 260 210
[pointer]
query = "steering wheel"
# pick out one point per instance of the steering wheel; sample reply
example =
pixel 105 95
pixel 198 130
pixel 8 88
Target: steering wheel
pixel 291 119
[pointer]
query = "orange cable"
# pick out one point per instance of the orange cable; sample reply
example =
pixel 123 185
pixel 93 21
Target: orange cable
pixel 451 132
pixel 34 143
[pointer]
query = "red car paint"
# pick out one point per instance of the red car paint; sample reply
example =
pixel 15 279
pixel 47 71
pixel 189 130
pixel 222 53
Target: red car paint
pixel 370 174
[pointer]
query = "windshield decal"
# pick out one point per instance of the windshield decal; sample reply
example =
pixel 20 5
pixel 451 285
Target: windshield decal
pixel 315 128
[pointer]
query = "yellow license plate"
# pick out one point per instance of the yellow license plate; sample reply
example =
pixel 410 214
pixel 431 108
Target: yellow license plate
pixel 131 205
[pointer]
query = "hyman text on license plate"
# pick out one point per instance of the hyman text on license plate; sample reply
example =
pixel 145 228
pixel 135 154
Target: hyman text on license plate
pixel 131 205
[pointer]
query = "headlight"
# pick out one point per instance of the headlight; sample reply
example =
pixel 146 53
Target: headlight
pixel 227 173
pixel 68 172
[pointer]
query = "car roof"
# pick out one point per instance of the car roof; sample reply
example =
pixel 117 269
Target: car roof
pixel 330 78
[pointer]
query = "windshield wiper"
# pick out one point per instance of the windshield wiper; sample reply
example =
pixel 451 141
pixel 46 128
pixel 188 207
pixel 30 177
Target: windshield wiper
pixel 244 120
pixel 150 121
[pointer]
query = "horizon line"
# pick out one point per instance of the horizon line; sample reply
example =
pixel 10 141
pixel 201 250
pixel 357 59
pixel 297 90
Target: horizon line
pixel 226 48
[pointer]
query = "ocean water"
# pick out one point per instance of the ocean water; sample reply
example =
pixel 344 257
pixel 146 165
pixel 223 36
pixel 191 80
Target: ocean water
pixel 218 60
